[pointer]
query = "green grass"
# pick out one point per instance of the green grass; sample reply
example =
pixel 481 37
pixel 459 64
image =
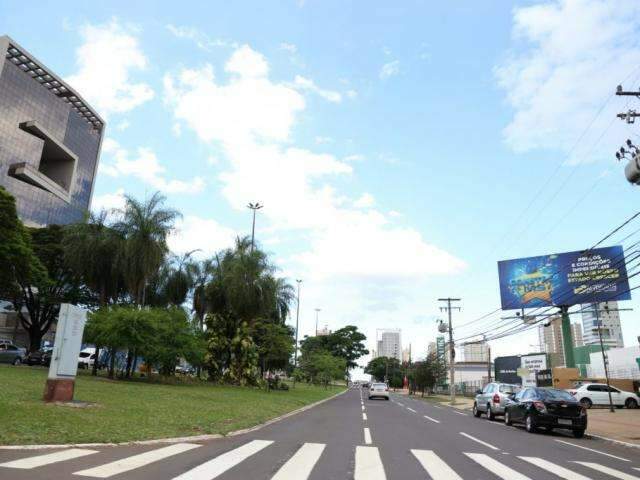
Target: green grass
pixel 135 410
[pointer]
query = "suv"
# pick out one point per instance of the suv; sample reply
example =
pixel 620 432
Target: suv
pixel 493 399
pixel 597 394
pixel 9 353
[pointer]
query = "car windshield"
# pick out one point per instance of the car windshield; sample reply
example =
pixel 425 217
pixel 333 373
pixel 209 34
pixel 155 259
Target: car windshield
pixel 379 385
pixel 554 394
pixel 508 389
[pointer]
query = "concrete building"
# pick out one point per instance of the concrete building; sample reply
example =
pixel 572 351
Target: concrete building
pixel 406 355
pixel 389 343
pixel 50 138
pixel 610 320
pixel 323 332
pixel 476 352
pixel 551 340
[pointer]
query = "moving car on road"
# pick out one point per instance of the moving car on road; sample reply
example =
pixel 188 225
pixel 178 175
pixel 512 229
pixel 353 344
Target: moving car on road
pixel 598 394
pixel 493 399
pixel 380 390
pixel 10 353
pixel 548 408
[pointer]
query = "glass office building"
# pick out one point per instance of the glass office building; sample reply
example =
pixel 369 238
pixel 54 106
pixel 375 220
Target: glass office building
pixel 49 140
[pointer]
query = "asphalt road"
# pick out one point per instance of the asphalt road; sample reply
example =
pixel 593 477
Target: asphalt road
pixel 349 437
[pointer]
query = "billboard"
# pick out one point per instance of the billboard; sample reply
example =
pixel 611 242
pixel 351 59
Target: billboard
pixel 531 365
pixel 567 278
pixel 506 369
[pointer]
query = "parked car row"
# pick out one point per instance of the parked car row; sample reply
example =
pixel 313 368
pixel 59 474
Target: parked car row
pixel 10 353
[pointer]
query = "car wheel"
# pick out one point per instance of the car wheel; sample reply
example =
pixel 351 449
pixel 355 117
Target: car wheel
pixel 586 403
pixel 17 361
pixel 387 398
pixel 529 424
pixel 476 412
pixel 631 403
pixel 578 433
pixel 507 417
pixel 490 414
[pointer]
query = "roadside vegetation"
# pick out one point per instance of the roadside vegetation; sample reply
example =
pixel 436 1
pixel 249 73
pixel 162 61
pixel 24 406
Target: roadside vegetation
pixel 421 376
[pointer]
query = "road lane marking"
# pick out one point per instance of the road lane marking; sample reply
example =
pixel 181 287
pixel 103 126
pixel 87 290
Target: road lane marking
pixel 136 461
pixel 479 441
pixel 460 413
pixel 436 406
pixel 435 467
pixel 41 460
pixel 609 471
pixel 364 416
pixel 592 450
pixel 367 436
pixel 217 466
pixel 432 419
pixel 555 469
pixel 299 466
pixel 368 464
pixel 400 404
pixel 411 409
pixel 495 467
pixel 363 408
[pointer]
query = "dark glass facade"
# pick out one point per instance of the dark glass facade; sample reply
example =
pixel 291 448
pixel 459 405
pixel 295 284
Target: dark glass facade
pixel 29 162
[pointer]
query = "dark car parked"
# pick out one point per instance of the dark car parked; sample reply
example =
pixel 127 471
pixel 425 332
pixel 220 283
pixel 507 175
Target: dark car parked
pixel 39 357
pixel 546 408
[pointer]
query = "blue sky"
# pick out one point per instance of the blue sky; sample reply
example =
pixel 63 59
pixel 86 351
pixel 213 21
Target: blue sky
pixel 396 148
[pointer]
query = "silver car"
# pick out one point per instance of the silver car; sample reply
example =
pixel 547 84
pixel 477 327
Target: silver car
pixel 380 390
pixel 9 353
pixel 493 399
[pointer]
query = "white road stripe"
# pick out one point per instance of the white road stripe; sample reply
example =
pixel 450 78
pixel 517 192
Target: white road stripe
pixel 368 464
pixel 460 413
pixel 496 467
pixel 367 436
pixel 300 465
pixel 609 471
pixel 553 468
pixel 435 467
pixel 213 468
pixel 436 406
pixel 136 461
pixel 362 407
pixel 592 450
pixel 411 410
pixel 364 416
pixel 400 404
pixel 41 460
pixel 479 441
pixel 432 419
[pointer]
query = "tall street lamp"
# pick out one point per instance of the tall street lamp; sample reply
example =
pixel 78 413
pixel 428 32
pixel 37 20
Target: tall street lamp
pixel 254 206
pixel 295 356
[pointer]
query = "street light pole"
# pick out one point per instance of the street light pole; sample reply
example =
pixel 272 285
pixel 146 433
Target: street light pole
pixel 254 207
pixel 295 357
pixel 317 313
pixel 604 357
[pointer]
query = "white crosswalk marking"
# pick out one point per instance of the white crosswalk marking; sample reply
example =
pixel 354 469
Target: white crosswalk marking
pixel 553 468
pixel 368 464
pixel 434 465
pixel 136 461
pixel 609 471
pixel 411 409
pixel 495 467
pixel 300 465
pixel 41 460
pixel 213 468
pixel 479 441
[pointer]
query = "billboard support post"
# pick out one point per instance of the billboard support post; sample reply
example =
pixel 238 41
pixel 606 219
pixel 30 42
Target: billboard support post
pixel 567 338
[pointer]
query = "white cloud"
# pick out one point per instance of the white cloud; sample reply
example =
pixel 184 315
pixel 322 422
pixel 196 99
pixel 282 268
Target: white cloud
pixel 108 201
pixel 201 39
pixel 246 62
pixel 321 140
pixel 390 69
pixel 567 57
pixel 352 93
pixel 146 167
pixel 204 234
pixel 303 83
pixel 106 59
pixel 123 125
pixel 356 157
pixel 288 47
pixel 366 200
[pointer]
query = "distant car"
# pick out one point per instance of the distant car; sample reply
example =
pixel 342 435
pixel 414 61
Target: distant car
pixel 366 385
pixel 598 394
pixel 380 390
pixel 86 358
pixel 39 357
pixel 10 353
pixel 547 408
pixel 493 399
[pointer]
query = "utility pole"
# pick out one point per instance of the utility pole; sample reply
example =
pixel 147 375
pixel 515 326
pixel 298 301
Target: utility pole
pixel 452 352
pixel 317 313
pixel 596 307
pixel 488 361
pixel 295 357
pixel 254 207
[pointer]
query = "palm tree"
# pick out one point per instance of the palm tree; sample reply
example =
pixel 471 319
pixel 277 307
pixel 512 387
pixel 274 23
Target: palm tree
pixel 145 226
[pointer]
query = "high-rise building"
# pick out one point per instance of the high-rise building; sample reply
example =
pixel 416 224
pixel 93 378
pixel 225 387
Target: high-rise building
pixel 389 343
pixel 476 352
pixel 49 140
pixel 406 355
pixel 551 339
pixel 609 318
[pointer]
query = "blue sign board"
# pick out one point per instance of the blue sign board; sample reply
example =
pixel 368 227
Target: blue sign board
pixel 596 275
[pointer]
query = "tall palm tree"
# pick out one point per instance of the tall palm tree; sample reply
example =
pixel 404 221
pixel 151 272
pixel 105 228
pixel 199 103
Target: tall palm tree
pixel 145 226
pixel 201 274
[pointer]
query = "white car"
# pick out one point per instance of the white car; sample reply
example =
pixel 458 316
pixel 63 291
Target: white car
pixel 380 390
pixel 86 358
pixel 597 394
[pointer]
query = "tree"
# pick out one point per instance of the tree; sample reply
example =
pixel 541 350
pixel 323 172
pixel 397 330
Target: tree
pixel 346 343
pixel 385 369
pixel 321 367
pixel 275 344
pixel 145 226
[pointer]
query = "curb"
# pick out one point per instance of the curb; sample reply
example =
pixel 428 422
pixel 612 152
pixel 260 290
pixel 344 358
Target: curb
pixel 612 440
pixel 197 438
